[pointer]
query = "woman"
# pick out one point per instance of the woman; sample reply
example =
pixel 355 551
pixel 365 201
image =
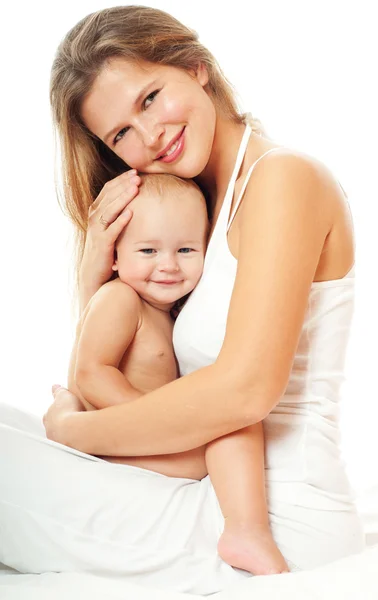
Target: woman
pixel 263 336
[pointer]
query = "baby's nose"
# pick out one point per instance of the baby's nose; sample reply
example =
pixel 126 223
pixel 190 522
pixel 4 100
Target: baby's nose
pixel 169 263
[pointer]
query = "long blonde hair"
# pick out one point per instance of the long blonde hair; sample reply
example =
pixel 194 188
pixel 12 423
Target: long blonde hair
pixel 134 33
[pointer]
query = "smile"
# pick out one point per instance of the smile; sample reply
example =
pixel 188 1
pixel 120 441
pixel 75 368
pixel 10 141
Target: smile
pixel 167 282
pixel 174 150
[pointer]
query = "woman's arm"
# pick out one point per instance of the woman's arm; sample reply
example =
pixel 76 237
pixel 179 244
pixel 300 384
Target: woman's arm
pixel 285 220
pixel 107 218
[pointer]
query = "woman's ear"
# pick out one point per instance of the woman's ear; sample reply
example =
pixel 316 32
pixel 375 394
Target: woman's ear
pixel 202 75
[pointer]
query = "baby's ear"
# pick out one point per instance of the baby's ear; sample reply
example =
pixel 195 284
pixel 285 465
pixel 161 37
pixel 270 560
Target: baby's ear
pixel 115 263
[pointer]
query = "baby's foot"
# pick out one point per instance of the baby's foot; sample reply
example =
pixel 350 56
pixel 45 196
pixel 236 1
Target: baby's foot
pixel 251 548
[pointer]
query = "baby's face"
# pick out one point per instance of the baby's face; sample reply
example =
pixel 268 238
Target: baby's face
pixel 161 252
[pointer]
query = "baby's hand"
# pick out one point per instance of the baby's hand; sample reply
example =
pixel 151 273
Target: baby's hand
pixel 64 404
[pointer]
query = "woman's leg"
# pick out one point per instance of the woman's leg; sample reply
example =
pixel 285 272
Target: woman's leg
pixel 236 468
pixel 62 510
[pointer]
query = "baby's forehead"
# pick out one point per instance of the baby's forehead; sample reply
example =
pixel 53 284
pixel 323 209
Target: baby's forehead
pixel 169 198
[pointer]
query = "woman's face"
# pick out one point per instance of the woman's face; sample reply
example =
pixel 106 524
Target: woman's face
pixel 157 118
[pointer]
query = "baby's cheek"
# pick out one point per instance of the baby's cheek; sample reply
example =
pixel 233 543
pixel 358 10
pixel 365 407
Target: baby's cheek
pixel 196 272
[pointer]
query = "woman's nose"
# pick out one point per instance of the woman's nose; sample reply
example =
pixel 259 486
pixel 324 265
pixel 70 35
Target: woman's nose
pixel 151 133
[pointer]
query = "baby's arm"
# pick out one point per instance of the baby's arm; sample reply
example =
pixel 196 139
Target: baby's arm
pixel 109 327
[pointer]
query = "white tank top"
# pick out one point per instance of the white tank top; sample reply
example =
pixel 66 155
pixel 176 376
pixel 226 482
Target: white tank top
pixel 301 433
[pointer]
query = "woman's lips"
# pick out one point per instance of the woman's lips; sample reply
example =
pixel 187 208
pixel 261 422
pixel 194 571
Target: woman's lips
pixel 176 153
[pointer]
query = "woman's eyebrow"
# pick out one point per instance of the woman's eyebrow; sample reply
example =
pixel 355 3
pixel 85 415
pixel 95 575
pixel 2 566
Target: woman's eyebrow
pixel 137 100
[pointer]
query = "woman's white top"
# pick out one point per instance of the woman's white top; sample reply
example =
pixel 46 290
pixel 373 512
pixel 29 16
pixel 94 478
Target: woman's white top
pixel 301 433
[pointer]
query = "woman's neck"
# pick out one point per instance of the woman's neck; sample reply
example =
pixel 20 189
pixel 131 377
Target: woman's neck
pixel 216 175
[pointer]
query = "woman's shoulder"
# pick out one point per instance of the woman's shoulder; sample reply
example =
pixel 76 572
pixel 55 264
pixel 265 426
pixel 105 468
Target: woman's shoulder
pixel 308 177
pixel 292 160
pixel 291 190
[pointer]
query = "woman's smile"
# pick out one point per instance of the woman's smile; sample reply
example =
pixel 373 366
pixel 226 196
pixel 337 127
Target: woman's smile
pixel 175 148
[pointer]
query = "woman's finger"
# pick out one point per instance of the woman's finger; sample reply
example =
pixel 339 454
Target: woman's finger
pixel 110 187
pixel 112 206
pixel 116 228
pixel 115 208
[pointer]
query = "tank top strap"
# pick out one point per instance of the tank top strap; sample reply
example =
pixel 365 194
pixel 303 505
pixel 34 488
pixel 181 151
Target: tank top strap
pixel 237 203
pixel 227 202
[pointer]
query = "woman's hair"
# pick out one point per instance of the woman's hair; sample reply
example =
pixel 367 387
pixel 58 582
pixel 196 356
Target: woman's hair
pixel 133 33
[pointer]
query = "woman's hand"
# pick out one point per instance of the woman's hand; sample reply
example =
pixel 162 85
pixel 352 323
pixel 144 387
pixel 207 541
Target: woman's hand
pixel 107 217
pixel 64 404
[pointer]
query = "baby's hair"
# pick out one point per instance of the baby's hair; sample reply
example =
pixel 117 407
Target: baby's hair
pixel 161 182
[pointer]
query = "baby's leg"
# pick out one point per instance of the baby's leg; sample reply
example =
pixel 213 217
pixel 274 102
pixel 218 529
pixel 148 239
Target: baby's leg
pixel 190 464
pixel 236 468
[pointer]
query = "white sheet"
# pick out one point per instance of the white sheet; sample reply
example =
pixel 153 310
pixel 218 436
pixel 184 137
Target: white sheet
pixel 352 578
pixel 367 504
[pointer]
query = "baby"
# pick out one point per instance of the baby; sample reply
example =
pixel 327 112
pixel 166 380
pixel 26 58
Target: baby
pixel 124 350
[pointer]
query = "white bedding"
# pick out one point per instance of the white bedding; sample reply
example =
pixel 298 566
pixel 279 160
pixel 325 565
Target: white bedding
pixel 351 578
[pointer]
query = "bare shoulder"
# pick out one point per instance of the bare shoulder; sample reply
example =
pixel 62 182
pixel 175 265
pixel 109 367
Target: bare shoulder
pixel 304 179
pixel 294 160
pixel 287 185
pixel 294 189
pixel 117 290
pixel 117 295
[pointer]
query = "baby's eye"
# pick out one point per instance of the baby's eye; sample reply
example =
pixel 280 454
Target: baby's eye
pixel 147 250
pixel 185 250
pixel 150 98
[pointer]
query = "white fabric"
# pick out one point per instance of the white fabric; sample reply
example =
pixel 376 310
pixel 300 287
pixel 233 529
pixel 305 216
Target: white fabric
pixel 352 578
pixel 311 505
pixel 62 510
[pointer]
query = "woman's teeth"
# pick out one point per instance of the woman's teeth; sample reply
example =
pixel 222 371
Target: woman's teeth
pixel 171 149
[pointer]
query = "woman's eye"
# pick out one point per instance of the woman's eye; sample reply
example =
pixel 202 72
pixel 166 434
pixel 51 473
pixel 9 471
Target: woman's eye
pixel 186 250
pixel 147 250
pixel 120 135
pixel 150 98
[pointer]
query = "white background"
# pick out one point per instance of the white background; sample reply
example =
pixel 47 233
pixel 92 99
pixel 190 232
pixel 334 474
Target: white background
pixel 306 69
